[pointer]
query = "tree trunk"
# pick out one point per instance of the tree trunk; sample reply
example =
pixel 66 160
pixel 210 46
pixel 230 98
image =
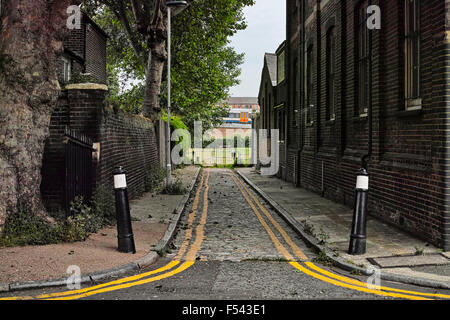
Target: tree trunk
pixel 156 40
pixel 152 99
pixel 31 39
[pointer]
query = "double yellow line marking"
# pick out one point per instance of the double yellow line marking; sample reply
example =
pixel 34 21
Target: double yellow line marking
pixel 108 288
pixel 191 220
pixel 311 269
pixel 164 271
pixel 200 230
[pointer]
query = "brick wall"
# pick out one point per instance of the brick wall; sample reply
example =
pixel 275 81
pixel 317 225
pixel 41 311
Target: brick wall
pixel 95 53
pixel 409 183
pixel 75 41
pixel 86 48
pixel 125 140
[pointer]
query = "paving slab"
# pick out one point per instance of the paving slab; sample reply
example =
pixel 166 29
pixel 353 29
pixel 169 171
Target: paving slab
pixel 410 261
pixel 334 219
pixel 98 252
pixel 154 207
pixel 23 265
pixel 320 218
pixel 421 274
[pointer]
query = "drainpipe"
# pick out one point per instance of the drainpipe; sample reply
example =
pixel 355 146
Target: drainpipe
pixel 301 67
pixel 357 244
pixel 366 158
pixel 322 185
pixel 318 68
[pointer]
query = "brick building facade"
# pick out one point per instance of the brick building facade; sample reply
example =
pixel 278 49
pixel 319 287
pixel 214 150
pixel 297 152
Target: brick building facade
pixel 272 98
pixel 120 139
pixel 238 121
pixel 84 52
pixel 354 91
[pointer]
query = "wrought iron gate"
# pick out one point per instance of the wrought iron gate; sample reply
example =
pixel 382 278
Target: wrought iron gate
pixel 78 160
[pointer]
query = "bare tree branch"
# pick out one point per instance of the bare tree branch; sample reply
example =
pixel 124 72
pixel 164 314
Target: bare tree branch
pixel 156 12
pixel 158 27
pixel 147 10
pixel 122 16
pixel 138 12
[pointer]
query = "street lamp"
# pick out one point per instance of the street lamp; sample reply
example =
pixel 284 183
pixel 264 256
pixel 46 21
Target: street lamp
pixel 178 6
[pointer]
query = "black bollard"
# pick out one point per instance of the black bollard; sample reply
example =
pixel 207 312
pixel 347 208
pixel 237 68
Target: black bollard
pixel 358 236
pixel 124 229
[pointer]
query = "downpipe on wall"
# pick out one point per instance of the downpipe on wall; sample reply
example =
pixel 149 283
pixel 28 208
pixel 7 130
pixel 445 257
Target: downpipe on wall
pixel 358 234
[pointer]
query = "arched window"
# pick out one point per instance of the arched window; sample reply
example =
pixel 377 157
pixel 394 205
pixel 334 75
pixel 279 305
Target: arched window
pixel 363 59
pixel 412 54
pixel 295 90
pixel 331 73
pixel 309 85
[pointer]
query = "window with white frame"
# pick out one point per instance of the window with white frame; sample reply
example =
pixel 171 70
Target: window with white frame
pixel 412 55
pixel 67 69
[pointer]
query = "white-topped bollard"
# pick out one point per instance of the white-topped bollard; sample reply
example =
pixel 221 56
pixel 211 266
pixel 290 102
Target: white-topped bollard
pixel 358 236
pixel 124 228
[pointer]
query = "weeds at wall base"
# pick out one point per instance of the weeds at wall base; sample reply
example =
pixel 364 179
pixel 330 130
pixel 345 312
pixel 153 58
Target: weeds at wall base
pixel 24 228
pixel 176 188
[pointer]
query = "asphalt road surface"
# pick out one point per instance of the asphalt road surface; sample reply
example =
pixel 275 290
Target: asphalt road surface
pixel 231 246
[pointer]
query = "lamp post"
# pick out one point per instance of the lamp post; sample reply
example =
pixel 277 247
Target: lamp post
pixel 176 5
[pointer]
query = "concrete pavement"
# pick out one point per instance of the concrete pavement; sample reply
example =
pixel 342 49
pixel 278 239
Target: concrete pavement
pixel 230 244
pixel 327 226
pixel 153 215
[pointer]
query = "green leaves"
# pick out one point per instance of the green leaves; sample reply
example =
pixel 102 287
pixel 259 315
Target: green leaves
pixel 204 67
pixel 175 121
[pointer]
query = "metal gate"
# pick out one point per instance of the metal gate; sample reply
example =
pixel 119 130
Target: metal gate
pixel 78 161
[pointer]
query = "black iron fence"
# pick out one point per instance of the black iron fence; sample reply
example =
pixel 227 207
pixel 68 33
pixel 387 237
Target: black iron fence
pixel 78 162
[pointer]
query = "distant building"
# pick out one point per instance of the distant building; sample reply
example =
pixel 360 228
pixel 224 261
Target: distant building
pixel 239 119
pixel 272 99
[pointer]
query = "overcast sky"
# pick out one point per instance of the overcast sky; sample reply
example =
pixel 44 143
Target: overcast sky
pixel 265 32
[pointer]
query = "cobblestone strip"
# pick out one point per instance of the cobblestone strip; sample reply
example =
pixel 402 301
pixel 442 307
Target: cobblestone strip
pixel 295 249
pixel 232 231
